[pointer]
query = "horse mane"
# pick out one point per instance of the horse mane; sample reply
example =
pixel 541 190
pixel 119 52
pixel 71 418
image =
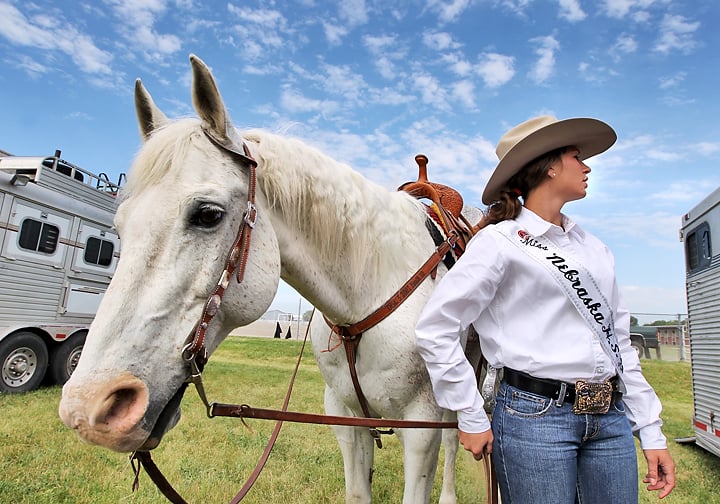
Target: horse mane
pixel 341 213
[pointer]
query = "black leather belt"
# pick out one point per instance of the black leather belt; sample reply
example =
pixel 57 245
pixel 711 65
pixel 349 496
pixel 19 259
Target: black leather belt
pixel 549 388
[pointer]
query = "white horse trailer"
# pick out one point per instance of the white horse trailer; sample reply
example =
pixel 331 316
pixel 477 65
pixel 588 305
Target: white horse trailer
pixel 701 233
pixel 58 252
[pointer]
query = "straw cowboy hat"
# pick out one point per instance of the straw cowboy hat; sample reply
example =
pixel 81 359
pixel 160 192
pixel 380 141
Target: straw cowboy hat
pixel 540 135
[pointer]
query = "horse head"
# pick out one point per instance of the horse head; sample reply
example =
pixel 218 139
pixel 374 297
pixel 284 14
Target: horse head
pixel 188 194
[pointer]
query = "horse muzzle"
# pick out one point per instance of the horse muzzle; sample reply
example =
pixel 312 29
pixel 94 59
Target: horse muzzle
pixel 113 412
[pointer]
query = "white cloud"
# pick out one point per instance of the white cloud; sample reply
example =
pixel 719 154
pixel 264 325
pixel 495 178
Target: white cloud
pixel 657 154
pixel 571 10
pixel 635 143
pixel 294 101
pixel 672 80
pixel 344 81
pixel 353 11
pixel 545 64
pixel 457 64
pixel 260 31
pixel 676 34
pixel 683 191
pixel 594 72
pixel 48 33
pixel 379 44
pixel 389 96
pixel 706 148
pixel 496 69
pixel 385 50
pixel 448 11
pixel 137 25
pixel 624 44
pixel 441 41
pixel 32 67
pixel 385 67
pixel 464 92
pixel 432 92
pixel 334 33
pixel 516 6
pixel 622 8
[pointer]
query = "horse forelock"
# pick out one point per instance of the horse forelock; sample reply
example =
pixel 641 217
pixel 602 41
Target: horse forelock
pixel 341 212
pixel 159 156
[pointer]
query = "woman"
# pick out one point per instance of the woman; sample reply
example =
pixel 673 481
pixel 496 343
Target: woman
pixel 541 293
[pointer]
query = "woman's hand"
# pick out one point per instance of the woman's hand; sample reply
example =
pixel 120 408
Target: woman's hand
pixel 661 471
pixel 477 443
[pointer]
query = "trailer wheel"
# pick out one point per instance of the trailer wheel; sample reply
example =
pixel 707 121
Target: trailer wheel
pixel 64 358
pixel 24 360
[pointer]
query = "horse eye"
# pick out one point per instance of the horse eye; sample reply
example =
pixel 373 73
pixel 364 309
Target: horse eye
pixel 207 216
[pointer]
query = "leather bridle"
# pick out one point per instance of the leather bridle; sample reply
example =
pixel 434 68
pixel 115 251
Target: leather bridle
pixel 194 351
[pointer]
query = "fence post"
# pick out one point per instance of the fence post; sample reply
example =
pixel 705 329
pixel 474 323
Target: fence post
pixel 681 327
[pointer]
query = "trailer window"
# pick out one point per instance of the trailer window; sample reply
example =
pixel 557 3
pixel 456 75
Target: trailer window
pixel 99 251
pixel 38 236
pixel 697 248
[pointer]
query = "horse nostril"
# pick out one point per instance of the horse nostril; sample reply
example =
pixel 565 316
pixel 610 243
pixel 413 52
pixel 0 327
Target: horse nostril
pixel 122 408
pixel 118 404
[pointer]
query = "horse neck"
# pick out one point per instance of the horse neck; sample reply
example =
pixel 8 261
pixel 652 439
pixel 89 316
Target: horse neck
pixel 345 242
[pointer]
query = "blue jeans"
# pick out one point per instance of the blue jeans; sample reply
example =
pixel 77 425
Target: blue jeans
pixel 545 454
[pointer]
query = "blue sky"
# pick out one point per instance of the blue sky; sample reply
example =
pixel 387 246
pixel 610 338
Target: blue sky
pixel 374 82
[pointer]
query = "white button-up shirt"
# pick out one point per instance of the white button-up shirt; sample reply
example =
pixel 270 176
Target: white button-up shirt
pixel 526 322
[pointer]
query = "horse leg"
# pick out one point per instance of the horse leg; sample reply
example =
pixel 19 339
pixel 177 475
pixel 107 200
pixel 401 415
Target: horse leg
pixel 451 445
pixel 421 449
pixel 357 448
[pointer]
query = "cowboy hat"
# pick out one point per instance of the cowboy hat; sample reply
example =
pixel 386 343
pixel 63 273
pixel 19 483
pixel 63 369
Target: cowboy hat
pixel 540 135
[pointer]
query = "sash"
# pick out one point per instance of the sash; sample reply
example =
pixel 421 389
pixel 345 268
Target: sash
pixel 577 282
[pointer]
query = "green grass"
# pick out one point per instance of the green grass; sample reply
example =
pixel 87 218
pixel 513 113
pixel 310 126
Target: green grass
pixel 208 460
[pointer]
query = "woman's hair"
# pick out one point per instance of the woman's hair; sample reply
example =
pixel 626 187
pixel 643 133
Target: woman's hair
pixel 520 184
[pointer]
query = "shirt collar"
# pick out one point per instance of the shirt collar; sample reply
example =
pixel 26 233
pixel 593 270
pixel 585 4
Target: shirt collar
pixel 537 226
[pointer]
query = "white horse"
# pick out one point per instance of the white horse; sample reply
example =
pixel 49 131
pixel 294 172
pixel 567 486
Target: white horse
pixel 345 243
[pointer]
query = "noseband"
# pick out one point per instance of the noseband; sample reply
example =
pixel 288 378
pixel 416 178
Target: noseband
pixel 194 351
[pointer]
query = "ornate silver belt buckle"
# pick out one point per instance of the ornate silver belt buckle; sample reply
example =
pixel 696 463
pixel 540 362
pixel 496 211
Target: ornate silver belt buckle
pixel 592 397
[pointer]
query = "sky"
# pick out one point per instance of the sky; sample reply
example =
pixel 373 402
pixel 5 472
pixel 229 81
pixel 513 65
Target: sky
pixel 372 83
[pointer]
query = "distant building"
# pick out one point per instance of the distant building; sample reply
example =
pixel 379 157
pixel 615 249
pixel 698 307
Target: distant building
pixel 278 315
pixel 670 335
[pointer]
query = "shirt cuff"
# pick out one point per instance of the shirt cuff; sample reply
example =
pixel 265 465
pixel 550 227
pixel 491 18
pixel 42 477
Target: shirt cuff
pixel 651 438
pixel 474 419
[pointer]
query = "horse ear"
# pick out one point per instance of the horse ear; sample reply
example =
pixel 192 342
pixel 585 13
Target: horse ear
pixel 208 103
pixel 150 117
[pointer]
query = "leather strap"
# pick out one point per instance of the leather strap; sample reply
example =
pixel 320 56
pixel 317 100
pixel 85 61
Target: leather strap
pixel 145 460
pixel 404 292
pixel 246 411
pixel 236 259
pixel 491 484
pixel 276 431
